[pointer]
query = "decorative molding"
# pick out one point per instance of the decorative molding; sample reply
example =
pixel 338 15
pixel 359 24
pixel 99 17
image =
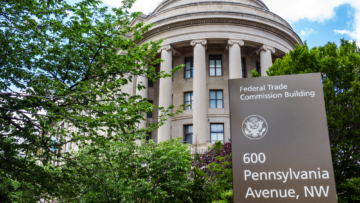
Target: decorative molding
pixel 227 15
pixel 211 115
pixel 265 48
pixel 200 22
pixel 182 117
pixel 199 41
pixel 208 116
pixel 234 4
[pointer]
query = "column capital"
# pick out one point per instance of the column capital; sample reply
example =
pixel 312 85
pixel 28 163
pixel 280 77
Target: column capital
pixel 235 41
pixel 265 48
pixel 166 48
pixel 199 41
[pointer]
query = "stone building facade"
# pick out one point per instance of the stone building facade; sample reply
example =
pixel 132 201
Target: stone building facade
pixel 217 41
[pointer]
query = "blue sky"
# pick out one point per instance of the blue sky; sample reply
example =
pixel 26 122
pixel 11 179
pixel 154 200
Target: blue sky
pixel 316 21
pixel 320 21
pixel 317 33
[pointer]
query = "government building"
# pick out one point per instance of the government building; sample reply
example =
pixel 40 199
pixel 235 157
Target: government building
pixel 217 41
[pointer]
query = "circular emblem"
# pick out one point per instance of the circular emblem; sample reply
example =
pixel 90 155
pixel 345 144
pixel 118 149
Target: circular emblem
pixel 254 127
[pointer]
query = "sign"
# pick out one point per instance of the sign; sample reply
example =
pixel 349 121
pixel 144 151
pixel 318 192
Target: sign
pixel 280 140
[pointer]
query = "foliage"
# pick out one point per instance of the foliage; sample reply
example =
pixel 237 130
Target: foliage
pixel 221 171
pixel 127 172
pixel 339 67
pixel 226 197
pixel 217 164
pixel 16 191
pixel 200 188
pixel 219 149
pixel 65 59
pixel 5 189
pixel 352 187
pixel 255 74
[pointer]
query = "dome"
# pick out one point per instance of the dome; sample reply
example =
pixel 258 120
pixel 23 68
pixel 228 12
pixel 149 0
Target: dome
pixel 236 16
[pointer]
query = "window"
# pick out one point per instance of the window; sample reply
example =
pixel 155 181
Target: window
pixel 258 67
pixel 189 67
pixel 150 83
pixel 215 66
pixel 216 99
pixel 188 129
pixel 188 99
pixel 148 137
pixel 243 64
pixel 217 133
pixel 149 114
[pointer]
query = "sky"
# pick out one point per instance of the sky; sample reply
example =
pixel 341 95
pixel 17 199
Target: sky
pixel 316 21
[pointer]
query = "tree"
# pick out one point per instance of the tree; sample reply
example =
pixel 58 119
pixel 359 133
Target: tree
pixel 216 163
pixel 123 171
pixel 339 67
pixel 5 188
pixel 65 59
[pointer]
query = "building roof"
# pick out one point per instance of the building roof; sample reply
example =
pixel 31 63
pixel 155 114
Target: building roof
pixel 168 3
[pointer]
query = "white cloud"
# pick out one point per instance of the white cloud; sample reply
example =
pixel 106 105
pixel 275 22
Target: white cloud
pixel 353 34
pixel 342 32
pixel 307 32
pixel 316 10
pixel 69 13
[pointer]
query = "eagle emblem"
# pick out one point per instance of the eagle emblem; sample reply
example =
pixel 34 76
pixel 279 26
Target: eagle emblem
pixel 254 127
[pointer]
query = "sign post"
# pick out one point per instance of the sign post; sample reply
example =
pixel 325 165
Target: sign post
pixel 280 140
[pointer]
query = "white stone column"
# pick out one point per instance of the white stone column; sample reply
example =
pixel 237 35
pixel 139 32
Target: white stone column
pixel 235 65
pixel 165 91
pixel 143 93
pixel 128 88
pixel 199 90
pixel 265 58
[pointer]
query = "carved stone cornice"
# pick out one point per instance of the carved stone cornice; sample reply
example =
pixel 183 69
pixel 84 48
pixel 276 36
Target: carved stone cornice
pixel 265 48
pixel 199 22
pixel 199 41
pixel 277 19
pixel 228 15
pixel 235 41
